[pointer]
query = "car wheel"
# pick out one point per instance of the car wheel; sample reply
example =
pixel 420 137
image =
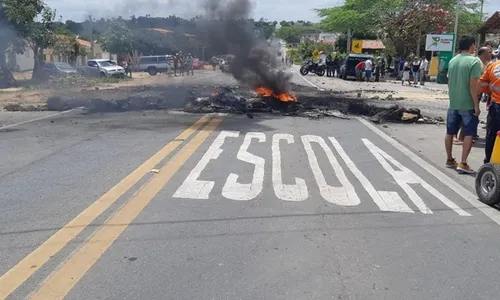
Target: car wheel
pixel 152 71
pixel 488 184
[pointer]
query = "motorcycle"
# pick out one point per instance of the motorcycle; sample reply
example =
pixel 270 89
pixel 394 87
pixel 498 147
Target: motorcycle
pixel 312 67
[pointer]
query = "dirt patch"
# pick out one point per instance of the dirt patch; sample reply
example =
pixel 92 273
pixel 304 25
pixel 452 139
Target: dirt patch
pixel 37 95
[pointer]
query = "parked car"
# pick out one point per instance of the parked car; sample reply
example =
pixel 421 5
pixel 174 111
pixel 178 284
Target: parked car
pixel 198 64
pixel 155 64
pixel 348 66
pixel 102 67
pixel 59 69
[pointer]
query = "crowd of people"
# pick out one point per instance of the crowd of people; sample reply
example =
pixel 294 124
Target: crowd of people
pixel 473 77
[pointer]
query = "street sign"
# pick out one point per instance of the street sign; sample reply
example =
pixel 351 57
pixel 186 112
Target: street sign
pixel 357 46
pixel 440 42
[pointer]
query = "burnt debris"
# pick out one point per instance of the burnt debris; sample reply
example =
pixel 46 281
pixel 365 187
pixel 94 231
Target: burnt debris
pixel 226 100
pixel 311 103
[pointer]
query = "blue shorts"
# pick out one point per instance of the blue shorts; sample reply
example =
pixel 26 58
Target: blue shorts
pixel 461 118
pixel 368 74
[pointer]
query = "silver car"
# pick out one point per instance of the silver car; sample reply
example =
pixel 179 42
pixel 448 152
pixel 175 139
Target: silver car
pixel 103 67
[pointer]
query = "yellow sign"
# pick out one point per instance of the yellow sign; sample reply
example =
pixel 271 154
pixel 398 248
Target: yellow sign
pixel 357 46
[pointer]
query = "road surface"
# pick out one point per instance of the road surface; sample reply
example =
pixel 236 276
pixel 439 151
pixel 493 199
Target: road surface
pixel 166 205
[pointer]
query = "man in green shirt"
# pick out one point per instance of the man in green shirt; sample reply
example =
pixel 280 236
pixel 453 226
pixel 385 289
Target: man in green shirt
pixel 464 71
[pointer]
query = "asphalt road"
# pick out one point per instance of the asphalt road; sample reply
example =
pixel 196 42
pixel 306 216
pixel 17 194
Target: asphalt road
pixel 164 205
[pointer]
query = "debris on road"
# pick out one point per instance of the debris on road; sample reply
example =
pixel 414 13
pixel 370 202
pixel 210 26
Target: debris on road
pixel 304 102
pixel 312 104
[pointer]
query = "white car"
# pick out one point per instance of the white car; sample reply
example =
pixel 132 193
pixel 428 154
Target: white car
pixel 103 67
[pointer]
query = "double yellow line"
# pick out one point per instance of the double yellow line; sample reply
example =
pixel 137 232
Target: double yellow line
pixel 61 281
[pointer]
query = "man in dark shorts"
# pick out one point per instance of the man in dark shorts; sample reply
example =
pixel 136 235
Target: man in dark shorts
pixel 463 73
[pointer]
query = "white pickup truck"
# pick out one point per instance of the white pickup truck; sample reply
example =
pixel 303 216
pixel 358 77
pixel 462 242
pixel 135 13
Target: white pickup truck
pixel 101 67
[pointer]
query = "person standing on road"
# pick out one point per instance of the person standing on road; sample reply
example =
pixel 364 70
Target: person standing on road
pixel 176 63
pixel 424 66
pixel 189 64
pixel 406 73
pixel 490 84
pixel 415 66
pixel 368 70
pixel 359 70
pixel 463 73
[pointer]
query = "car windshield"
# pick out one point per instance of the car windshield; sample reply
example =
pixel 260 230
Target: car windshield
pixel 106 63
pixel 63 66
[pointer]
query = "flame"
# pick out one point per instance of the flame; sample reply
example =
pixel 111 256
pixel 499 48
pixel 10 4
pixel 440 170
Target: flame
pixel 214 94
pixel 283 97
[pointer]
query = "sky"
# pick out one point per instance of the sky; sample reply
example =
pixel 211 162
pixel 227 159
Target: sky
pixel 270 10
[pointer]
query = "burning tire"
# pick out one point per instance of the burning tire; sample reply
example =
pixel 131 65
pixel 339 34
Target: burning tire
pixel 488 184
pixel 304 71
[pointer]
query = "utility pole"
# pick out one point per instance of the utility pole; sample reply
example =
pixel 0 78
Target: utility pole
pixel 455 30
pixel 482 17
pixel 349 37
pixel 91 37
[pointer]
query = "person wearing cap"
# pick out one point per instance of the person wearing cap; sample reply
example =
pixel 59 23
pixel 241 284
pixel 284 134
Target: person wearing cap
pixel 490 84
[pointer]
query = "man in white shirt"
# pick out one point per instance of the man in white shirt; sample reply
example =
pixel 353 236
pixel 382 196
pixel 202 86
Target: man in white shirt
pixel 424 66
pixel 368 70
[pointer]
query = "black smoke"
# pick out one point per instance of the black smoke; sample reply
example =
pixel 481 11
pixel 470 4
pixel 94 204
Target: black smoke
pixel 228 30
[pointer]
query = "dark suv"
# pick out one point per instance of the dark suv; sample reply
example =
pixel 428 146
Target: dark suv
pixel 348 66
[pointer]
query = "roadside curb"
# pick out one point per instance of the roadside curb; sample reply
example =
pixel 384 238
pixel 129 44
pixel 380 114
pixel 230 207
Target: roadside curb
pixel 443 91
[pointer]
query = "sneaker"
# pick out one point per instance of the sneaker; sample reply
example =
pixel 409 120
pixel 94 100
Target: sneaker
pixel 451 163
pixel 464 168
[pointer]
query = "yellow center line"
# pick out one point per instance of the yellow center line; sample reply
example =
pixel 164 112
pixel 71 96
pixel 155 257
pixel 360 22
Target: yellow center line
pixel 63 279
pixel 18 274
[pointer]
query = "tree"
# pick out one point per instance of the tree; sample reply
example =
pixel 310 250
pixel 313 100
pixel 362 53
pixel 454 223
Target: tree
pixel 23 14
pixel 264 28
pixel 118 39
pixel 403 22
pixel 75 28
pixel 67 47
pixel 292 34
pixel 8 37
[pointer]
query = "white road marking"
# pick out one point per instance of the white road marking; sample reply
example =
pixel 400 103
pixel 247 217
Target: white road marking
pixel 39 119
pixel 192 188
pixel 493 214
pixel 344 195
pixel 386 201
pixel 403 178
pixel 306 80
pixel 287 192
pixel 247 191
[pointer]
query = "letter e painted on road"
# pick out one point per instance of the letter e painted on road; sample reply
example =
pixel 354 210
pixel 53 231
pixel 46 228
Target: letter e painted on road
pixel 404 177
pixel 246 191
pixel 192 188
pixel 345 194
pixel 287 192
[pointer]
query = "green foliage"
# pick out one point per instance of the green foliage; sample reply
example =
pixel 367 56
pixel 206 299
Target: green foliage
pixel 67 47
pixel 306 49
pixel 292 32
pixel 264 28
pixel 33 21
pixel 403 22
pixel 118 39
